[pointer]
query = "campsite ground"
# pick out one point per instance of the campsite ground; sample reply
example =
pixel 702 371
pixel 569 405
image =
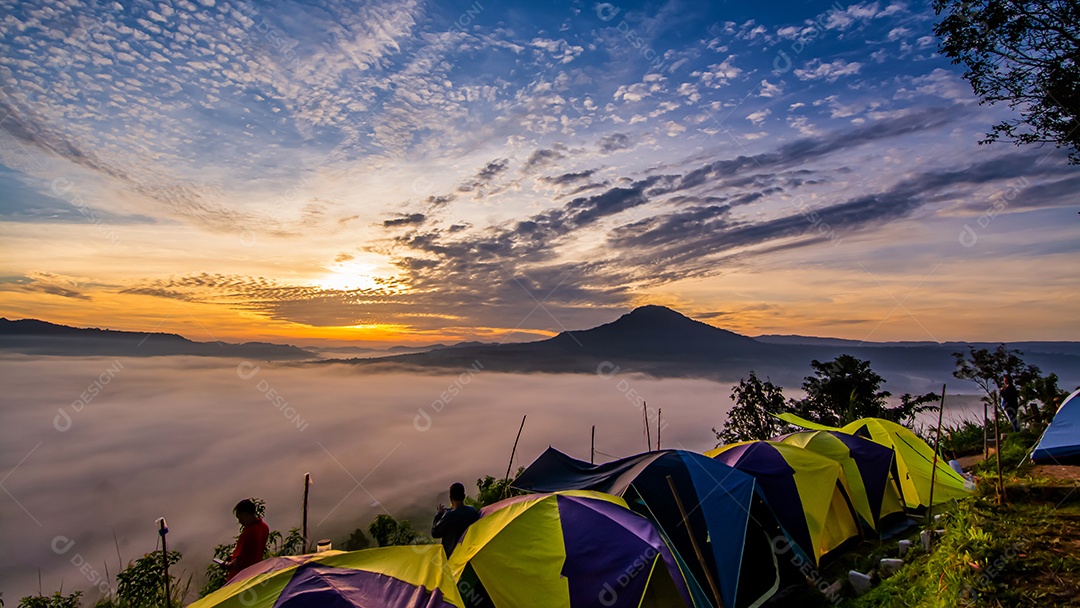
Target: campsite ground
pixel 1023 552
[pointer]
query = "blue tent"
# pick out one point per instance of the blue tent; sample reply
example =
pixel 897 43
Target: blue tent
pixel 726 514
pixel 1061 442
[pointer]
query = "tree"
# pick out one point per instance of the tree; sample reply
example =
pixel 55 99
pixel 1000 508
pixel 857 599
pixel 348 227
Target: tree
pixel 1025 53
pixel 752 418
pixel 1044 390
pixel 843 390
pixel 389 532
pixel 356 541
pixel 986 367
pixel 491 490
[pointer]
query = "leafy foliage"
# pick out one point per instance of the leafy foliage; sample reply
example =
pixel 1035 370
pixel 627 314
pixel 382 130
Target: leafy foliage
pixel 490 490
pixel 986 368
pixel 1024 53
pixel 1045 391
pixel 356 541
pixel 846 389
pixel 389 532
pixel 141 583
pixel 962 438
pixel 54 601
pixel 278 544
pixel 752 418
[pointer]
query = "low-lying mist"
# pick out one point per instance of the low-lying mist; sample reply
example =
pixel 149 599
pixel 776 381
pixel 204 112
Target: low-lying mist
pixel 97 448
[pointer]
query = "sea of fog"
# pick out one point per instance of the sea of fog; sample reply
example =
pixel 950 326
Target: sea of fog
pixel 94 450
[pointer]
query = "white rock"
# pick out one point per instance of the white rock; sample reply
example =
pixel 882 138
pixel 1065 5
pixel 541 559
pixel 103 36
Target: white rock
pixel 859 581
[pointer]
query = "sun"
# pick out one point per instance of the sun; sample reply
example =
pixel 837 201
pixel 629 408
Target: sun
pixel 349 276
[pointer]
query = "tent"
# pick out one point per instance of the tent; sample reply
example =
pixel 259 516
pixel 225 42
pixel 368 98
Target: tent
pixel 1061 441
pixel 914 460
pixel 867 467
pixel 726 515
pixel 578 549
pixel 805 491
pixel 392 577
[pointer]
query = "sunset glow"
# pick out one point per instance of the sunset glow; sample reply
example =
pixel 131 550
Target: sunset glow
pixel 411 173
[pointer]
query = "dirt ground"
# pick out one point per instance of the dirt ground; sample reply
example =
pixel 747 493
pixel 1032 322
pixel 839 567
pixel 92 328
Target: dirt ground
pixel 1069 473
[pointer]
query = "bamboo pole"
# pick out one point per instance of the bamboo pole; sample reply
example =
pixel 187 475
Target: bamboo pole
pixel 701 558
pixel 506 480
pixel 307 485
pixel 937 448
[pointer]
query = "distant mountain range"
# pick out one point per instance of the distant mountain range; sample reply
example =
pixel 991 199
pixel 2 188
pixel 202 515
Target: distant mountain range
pixel 652 340
pixel 33 337
pixel 661 342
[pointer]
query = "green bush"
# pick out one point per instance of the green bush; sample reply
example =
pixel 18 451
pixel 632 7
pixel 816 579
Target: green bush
pixel 141 583
pixel 55 601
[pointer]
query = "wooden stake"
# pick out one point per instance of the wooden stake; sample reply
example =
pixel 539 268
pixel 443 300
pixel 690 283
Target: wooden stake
pixel 592 450
pixel 659 414
pixel 506 480
pixel 307 484
pixel 701 558
pixel 163 529
pixel 933 471
pixel 648 435
pixel 997 452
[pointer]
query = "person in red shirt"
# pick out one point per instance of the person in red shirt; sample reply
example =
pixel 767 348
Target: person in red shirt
pixel 251 544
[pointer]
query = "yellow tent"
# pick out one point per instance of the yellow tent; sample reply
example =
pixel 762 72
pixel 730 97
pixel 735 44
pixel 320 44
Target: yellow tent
pixel 867 468
pixel 806 491
pixel 914 460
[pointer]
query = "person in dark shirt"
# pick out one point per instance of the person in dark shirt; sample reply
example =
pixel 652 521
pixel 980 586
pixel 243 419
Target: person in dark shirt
pixel 1010 401
pixel 450 524
pixel 251 544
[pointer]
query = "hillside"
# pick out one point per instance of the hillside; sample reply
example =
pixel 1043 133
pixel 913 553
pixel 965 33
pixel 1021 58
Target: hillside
pixel 33 337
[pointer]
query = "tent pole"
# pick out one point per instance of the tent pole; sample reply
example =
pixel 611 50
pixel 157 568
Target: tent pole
pixel 693 540
pixel 937 448
pixel 506 480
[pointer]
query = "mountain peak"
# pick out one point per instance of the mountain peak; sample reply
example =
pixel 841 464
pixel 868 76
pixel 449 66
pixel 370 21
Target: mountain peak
pixel 654 313
pixel 656 330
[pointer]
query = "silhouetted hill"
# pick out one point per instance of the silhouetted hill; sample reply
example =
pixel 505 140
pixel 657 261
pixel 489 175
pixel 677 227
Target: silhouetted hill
pixel 1040 347
pixel 34 337
pixel 661 342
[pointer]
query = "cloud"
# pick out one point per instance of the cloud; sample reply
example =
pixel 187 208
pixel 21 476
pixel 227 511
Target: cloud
pixel 758 118
pixel 816 70
pixel 614 143
pixel 719 74
pixel 543 157
pixel 412 219
pixel 569 178
pixel 770 90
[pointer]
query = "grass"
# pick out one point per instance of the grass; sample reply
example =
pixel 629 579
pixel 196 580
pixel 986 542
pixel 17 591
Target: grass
pixel 1025 552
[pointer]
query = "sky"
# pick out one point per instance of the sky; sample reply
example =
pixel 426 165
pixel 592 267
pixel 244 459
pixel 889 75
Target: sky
pixel 403 172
